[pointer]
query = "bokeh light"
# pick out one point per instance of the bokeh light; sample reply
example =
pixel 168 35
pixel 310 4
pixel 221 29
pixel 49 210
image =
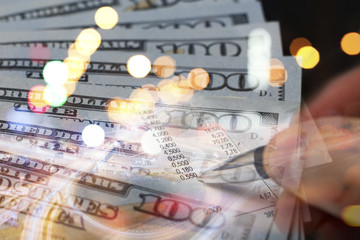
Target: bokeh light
pixel 55 96
pixel 164 66
pixel 278 74
pixel 297 44
pixel 55 73
pixel 76 67
pixel 350 43
pixel 93 135
pixel 351 215
pixel 308 57
pixel 184 88
pixel 106 17
pixel 259 53
pixel 149 144
pixel 144 95
pixel 70 87
pixel 124 111
pixel 139 66
pixel 36 100
pixel 170 93
pixel 74 53
pixel 88 41
pixel 39 52
pixel 198 78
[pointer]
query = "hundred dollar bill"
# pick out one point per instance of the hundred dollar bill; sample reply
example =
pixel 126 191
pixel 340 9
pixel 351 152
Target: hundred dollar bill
pixel 12 129
pixel 207 16
pixel 160 184
pixel 151 199
pixel 232 41
pixel 20 11
pixel 86 108
pixel 226 78
pixel 123 209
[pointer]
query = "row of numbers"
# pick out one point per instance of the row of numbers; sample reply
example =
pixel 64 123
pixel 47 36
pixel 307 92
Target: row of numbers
pixel 169 148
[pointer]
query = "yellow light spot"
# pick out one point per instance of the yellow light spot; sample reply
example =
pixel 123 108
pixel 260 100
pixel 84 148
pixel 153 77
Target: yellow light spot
pixel 124 111
pixel 168 91
pixel 149 143
pixel 55 73
pixel 172 91
pixel 164 66
pixel 351 215
pixel 88 41
pixel 152 88
pixel 278 73
pixel 297 44
pixel 106 17
pixel 76 67
pixel 138 66
pixel 198 78
pixel 70 87
pixel 73 52
pixel 350 43
pixel 36 99
pixel 144 95
pixel 183 88
pixel 308 57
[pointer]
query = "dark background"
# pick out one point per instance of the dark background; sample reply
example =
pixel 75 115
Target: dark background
pixel 323 23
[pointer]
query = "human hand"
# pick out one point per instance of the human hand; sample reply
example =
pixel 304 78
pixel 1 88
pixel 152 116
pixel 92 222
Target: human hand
pixel 331 189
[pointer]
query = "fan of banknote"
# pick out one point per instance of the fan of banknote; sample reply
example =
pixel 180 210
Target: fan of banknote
pixel 111 110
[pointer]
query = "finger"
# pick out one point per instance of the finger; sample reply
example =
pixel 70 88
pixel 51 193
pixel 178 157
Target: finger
pixel 341 97
pixel 284 211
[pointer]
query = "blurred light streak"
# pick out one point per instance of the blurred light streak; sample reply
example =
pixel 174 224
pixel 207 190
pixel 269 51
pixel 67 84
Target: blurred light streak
pixel 106 18
pixel 259 54
pixel 307 57
pixel 164 66
pixel 350 43
pixel 93 135
pixel 138 66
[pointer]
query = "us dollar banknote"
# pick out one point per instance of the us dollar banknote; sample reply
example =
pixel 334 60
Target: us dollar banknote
pixel 206 16
pixel 149 200
pixel 123 209
pixel 226 78
pixel 222 42
pixel 20 11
